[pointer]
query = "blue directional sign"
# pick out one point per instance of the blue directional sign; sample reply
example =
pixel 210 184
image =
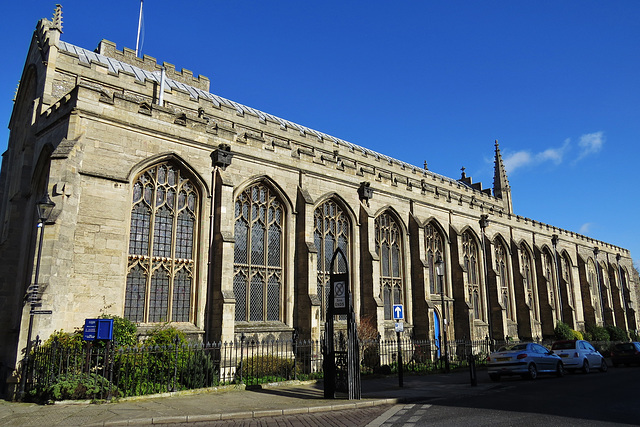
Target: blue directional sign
pixel 398 312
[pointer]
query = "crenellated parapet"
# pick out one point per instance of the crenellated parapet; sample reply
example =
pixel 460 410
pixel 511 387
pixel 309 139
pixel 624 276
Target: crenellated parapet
pixel 148 63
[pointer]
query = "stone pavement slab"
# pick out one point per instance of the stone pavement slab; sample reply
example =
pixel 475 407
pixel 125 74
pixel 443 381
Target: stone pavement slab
pixel 235 402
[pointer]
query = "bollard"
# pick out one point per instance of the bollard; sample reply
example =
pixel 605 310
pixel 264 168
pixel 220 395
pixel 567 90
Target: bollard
pixel 472 370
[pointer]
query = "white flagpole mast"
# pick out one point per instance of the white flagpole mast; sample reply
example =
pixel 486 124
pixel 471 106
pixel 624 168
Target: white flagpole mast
pixel 139 26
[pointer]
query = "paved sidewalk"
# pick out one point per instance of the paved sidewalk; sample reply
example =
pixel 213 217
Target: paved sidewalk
pixel 233 402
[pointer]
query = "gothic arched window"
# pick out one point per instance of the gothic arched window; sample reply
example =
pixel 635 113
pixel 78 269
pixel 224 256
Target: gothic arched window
pixel 470 256
pixel 565 265
pixel 389 249
pixel 434 249
pixel 527 278
pixel 594 289
pixel 162 241
pixel 552 286
pixel 331 231
pixel 258 255
pixel 503 278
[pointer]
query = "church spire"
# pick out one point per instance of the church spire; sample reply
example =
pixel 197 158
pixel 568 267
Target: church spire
pixel 501 188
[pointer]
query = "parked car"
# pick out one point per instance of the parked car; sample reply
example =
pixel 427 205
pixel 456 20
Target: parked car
pixel 579 354
pixel 524 359
pixel 626 352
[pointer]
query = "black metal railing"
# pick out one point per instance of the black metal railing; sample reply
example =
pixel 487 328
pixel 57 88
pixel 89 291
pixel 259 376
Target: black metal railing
pixel 104 372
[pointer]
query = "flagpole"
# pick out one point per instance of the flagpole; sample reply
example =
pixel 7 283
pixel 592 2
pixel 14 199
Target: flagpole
pixel 139 26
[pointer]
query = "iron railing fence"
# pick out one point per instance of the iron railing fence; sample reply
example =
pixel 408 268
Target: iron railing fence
pixel 103 371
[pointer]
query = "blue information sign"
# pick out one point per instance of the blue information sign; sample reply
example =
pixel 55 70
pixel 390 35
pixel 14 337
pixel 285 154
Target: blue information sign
pixel 98 329
pixel 90 329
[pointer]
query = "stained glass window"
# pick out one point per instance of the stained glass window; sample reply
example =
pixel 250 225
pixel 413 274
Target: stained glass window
pixel 162 243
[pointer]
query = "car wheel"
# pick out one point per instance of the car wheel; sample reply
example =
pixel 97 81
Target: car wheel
pixel 603 366
pixel 494 377
pixel 533 372
pixel 560 370
pixel 585 366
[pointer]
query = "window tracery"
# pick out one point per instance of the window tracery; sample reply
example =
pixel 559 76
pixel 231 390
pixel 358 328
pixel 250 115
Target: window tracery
pixel 389 249
pixel 470 257
pixel 434 249
pixel 258 255
pixel 162 239
pixel 504 279
pixel 332 231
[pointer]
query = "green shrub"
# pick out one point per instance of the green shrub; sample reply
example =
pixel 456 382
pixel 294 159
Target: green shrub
pixel 266 368
pixel 617 334
pixel 199 371
pixel 577 335
pixel 563 332
pixel 596 333
pixel 75 387
pixel 65 341
pixel 125 332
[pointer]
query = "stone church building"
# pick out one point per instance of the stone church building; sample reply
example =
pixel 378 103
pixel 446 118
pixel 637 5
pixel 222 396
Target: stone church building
pixel 173 204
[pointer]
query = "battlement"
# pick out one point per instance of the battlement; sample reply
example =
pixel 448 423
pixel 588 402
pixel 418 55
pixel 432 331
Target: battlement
pixel 149 63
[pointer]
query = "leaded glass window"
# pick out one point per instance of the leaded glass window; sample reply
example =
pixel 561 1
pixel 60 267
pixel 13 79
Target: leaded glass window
pixel 565 265
pixel 470 256
pixel 527 278
pixel 592 278
pixel 434 248
pixel 503 278
pixel 389 249
pixel 258 255
pixel 162 241
pixel 331 231
pixel 552 286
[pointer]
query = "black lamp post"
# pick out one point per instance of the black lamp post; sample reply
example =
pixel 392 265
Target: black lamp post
pixel 44 208
pixel 440 272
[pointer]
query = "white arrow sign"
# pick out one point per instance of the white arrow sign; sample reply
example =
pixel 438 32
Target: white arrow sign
pixel 398 312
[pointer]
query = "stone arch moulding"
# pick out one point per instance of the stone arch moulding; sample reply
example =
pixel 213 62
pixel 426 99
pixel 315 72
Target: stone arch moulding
pixel 284 197
pixel 343 204
pixel 436 223
pixel 150 161
pixel 473 233
pixel 40 171
pixel 499 238
pixel 396 216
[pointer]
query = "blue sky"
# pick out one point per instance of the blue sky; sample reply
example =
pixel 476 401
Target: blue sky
pixel 557 83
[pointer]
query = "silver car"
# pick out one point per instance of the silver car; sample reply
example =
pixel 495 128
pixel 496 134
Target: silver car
pixel 579 354
pixel 524 359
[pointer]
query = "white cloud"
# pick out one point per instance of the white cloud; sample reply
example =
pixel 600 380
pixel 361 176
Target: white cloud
pixel 585 228
pixel 516 160
pixel 525 158
pixel 590 143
